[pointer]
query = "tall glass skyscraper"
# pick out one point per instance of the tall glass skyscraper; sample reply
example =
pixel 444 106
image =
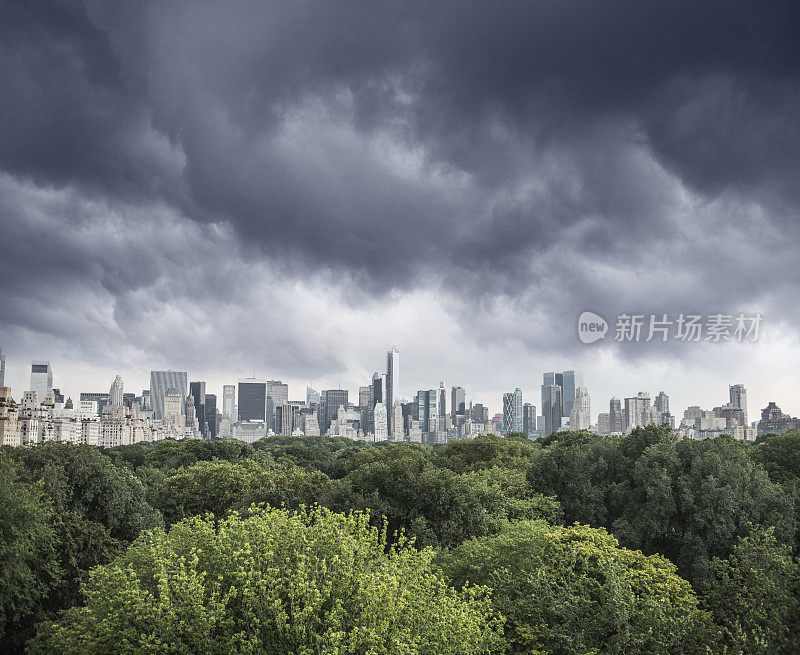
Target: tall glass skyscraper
pixel 160 381
pixel 551 407
pixel 392 376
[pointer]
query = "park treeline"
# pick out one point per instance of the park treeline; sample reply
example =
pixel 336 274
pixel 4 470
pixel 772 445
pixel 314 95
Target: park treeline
pixel 573 544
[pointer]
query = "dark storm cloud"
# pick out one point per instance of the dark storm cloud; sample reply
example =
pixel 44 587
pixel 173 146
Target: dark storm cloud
pixel 500 148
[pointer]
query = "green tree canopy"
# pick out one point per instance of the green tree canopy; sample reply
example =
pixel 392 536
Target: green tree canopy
pixel 575 591
pixel 756 596
pixel 275 582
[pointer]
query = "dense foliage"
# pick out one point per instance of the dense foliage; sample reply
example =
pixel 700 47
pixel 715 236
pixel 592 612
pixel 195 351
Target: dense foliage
pixel 589 544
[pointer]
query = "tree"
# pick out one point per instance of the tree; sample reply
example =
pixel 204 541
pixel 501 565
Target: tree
pixel 29 567
pixel 277 582
pixel 220 486
pixel 83 480
pixel 486 451
pixel 755 596
pixel 690 501
pixel 575 591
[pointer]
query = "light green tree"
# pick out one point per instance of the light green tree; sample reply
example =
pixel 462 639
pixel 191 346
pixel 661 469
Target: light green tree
pixel 273 582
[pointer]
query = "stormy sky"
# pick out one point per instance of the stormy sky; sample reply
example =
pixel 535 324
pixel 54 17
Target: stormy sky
pixel 289 188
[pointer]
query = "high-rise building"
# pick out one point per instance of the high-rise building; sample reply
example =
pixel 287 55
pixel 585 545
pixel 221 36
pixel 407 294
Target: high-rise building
pixel 662 403
pixel 512 411
pixel 312 397
pixel 363 397
pixel 427 408
pixel 117 392
pixel 211 414
pixel 378 388
pixel 580 418
pixel 392 376
pixel 458 402
pixel 173 403
pixel 160 381
pixel 41 379
pixel 197 390
pixel 277 394
pixel 551 407
pixel 442 400
pixel 381 422
pixel 332 399
pixel 616 419
pixel 637 411
pixel 570 381
pixel 529 419
pixel 252 403
pixel 738 394
pixel 396 428
pixel 229 401
pixel 2 368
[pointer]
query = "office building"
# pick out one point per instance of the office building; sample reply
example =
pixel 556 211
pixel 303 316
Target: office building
pixel 458 403
pixel 332 399
pixel 570 381
pixel 211 414
pixel 41 379
pixel 442 400
pixel 252 401
pixel 197 390
pixel 551 407
pixel 160 381
pixel 312 397
pixel 427 408
pixel 116 393
pixel 616 419
pixel 529 420
pixel 277 394
pixel 2 368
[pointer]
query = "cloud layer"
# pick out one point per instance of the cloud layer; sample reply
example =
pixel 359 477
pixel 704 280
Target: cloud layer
pixel 291 188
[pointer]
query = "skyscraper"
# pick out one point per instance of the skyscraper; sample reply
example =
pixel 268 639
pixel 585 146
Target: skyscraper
pixel 381 422
pixel 512 411
pixel 197 390
pixel 551 407
pixel 442 400
pixel 312 397
pixel 427 408
pixel 41 379
pixel 392 376
pixel 117 392
pixel 580 418
pixel 211 414
pixel 252 405
pixel 2 368
pixel 739 399
pixel 457 402
pixel 229 401
pixel 616 420
pixel 571 380
pixel 637 411
pixel 277 394
pixel 529 419
pixel 333 398
pixel 160 381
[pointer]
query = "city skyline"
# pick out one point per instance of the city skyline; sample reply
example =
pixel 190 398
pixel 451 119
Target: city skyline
pixel 531 394
pixel 465 189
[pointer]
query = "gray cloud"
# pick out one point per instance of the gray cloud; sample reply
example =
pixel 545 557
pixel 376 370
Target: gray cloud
pixel 518 160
